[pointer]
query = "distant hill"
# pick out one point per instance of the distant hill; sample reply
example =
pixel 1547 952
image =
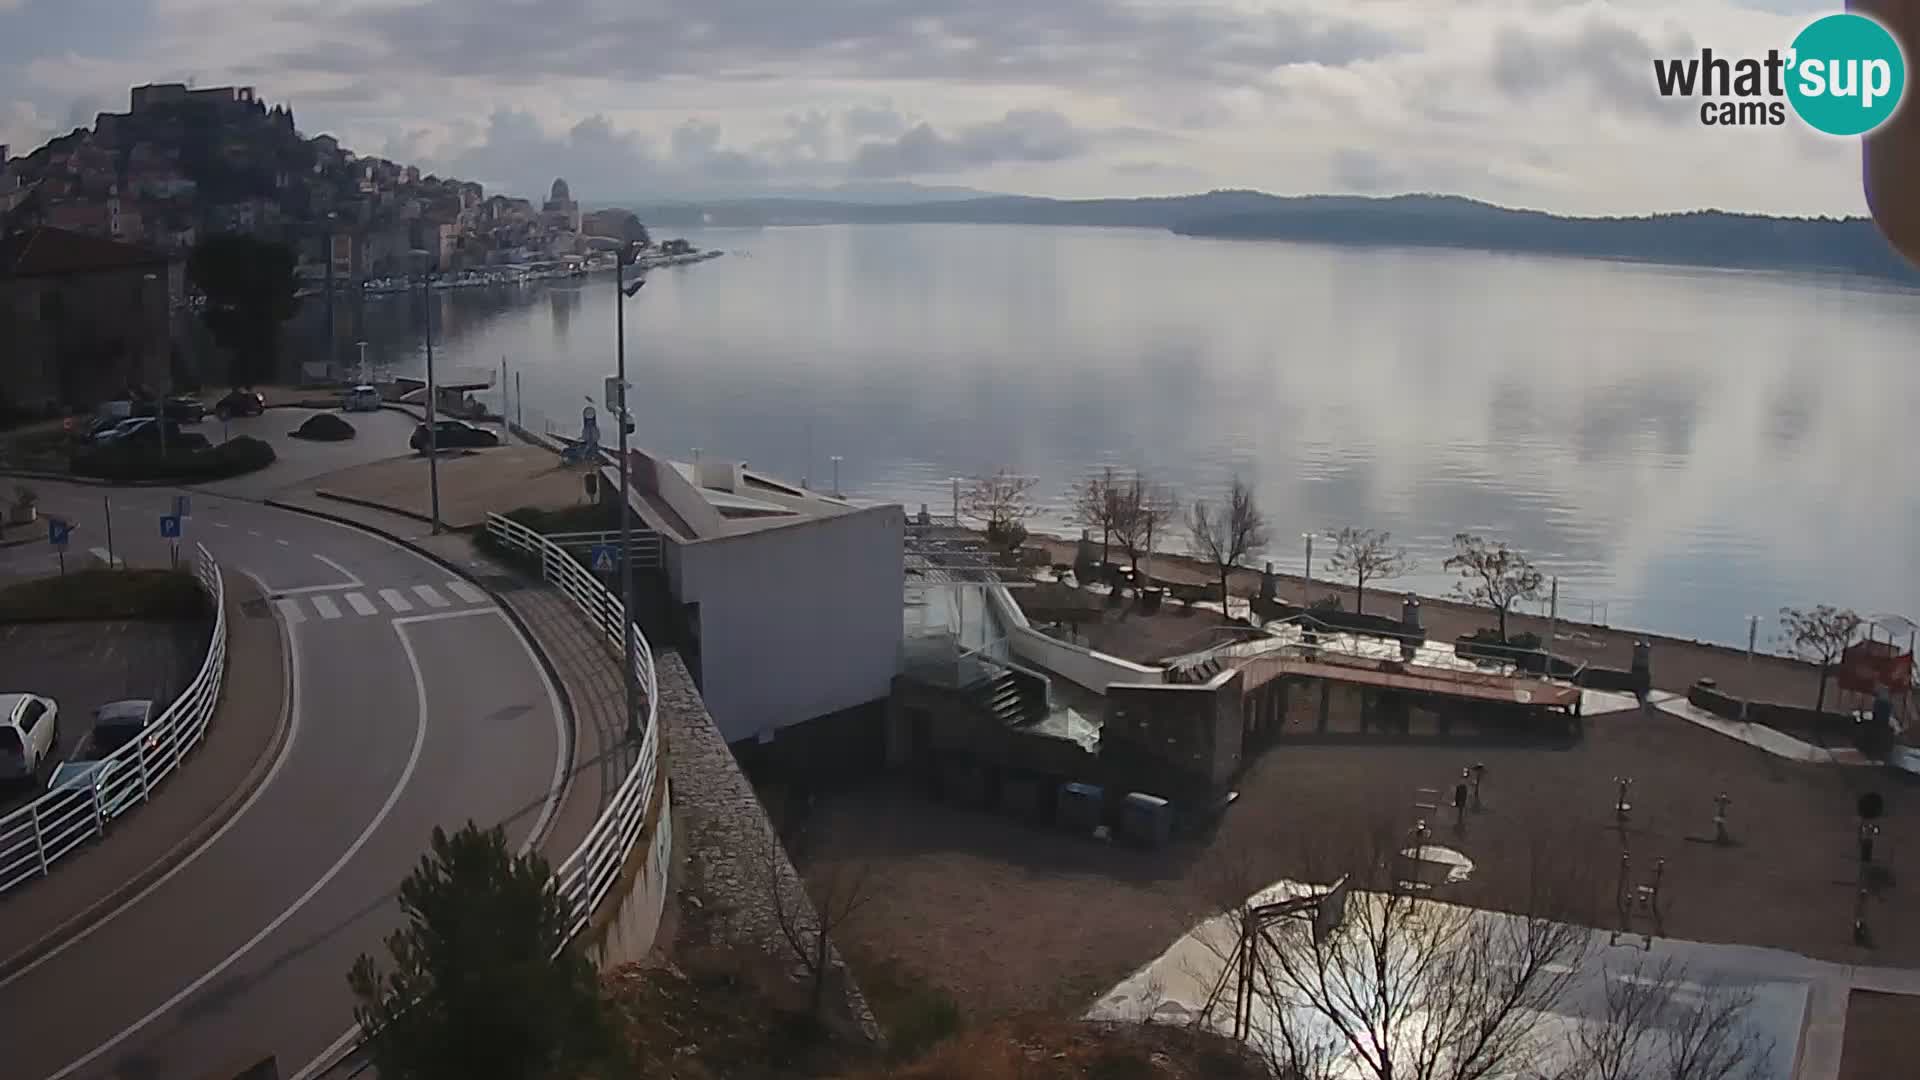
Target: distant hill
pixel 1696 238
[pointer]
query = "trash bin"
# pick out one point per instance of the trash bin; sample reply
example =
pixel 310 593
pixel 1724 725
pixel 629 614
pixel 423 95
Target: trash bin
pixel 1080 807
pixel 1146 820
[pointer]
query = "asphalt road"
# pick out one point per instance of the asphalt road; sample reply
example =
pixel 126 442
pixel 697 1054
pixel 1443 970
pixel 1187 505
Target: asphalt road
pixel 416 704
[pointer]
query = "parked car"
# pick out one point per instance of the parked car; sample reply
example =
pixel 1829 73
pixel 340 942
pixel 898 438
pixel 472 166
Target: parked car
pixel 240 403
pixel 361 399
pixel 116 724
pixel 87 769
pixel 185 409
pixel 453 434
pixel 29 730
pixel 147 431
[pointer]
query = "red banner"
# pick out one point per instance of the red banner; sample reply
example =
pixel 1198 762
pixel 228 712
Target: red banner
pixel 1867 666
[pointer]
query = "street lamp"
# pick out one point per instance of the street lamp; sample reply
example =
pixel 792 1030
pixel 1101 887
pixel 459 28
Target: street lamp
pixel 624 293
pixel 433 431
pixel 1308 537
pixel 366 373
pixel 836 459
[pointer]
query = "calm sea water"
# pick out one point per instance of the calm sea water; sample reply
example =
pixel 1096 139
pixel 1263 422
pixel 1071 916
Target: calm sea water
pixel 1684 447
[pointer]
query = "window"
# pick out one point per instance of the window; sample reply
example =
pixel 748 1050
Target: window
pixel 30 716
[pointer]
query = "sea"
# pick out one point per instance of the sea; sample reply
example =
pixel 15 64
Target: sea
pixel 1681 448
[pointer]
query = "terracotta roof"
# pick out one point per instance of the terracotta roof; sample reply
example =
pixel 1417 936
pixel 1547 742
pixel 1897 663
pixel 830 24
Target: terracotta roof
pixel 48 251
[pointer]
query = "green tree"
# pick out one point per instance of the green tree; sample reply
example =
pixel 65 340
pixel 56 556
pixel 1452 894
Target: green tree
pixel 483 980
pixel 250 288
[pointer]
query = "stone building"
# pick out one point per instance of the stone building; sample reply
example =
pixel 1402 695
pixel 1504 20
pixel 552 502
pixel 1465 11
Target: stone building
pixel 84 318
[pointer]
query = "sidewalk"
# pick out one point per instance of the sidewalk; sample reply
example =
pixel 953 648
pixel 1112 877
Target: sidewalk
pixel 584 665
pixel 244 737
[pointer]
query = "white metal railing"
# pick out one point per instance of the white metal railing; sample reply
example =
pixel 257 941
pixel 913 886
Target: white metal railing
pixel 590 872
pixel 39 834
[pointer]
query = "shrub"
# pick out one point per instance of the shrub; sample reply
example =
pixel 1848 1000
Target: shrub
pixel 324 427
pixel 105 594
pixel 1326 603
pixel 137 464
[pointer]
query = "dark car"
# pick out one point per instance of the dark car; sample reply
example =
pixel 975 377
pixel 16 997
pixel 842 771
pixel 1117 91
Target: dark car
pixel 240 403
pixel 183 408
pixel 453 435
pixel 147 431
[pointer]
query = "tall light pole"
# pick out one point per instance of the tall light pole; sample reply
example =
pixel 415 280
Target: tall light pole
pixel 433 429
pixel 1753 635
pixel 1308 537
pixel 621 295
pixel 836 475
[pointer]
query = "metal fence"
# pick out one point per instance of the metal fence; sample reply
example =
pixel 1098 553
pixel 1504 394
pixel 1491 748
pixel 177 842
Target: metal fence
pixel 54 825
pixel 590 872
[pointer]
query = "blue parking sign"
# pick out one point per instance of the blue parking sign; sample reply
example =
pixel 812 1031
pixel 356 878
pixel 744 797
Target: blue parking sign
pixel 602 558
pixel 170 526
pixel 58 531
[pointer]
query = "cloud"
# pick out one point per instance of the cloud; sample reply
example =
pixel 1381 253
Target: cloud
pixel 1364 172
pixel 1027 135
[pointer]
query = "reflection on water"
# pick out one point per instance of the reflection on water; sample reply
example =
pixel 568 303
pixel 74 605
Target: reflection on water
pixel 1687 446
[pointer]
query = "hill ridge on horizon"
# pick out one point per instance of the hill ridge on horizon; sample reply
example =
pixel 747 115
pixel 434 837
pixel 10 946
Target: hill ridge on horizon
pixel 1700 237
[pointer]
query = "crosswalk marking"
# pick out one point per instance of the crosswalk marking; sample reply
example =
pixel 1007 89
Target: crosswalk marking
pixel 395 600
pixel 290 610
pixel 467 592
pixel 431 596
pixel 326 607
pixel 360 604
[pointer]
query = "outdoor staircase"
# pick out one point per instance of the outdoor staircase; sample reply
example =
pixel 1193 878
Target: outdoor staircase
pixel 1196 672
pixel 1013 697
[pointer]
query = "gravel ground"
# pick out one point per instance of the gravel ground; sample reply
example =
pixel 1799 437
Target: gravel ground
pixel 1008 918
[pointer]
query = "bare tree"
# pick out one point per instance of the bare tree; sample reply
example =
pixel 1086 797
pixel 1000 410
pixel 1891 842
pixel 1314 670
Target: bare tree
pixel 1654 1023
pixel 1001 504
pixel 1819 636
pixel 1406 986
pixel 1095 503
pixel 1492 575
pixel 1142 512
pixel 1369 555
pixel 1226 535
pixel 839 892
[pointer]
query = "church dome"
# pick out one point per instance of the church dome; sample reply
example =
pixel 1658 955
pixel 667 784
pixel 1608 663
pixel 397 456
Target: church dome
pixel 560 192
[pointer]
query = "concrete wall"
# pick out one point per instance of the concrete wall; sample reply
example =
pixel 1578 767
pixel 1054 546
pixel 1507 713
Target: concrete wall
pixel 632 918
pixel 798 621
pixel 1095 671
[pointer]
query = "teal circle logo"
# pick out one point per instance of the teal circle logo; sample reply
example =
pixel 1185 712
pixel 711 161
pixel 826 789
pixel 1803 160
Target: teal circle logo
pixel 1847 74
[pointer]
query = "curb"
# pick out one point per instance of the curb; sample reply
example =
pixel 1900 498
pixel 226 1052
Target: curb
pixel 367 504
pixel 519 624
pixel 212 823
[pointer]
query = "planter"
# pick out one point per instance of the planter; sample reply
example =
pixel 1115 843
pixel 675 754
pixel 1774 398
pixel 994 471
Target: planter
pixel 22 515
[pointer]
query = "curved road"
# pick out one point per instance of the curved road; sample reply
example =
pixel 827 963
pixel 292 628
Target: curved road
pixel 415 703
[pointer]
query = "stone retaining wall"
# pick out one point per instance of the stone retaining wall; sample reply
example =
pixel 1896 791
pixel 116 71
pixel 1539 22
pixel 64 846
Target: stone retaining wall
pixel 723 840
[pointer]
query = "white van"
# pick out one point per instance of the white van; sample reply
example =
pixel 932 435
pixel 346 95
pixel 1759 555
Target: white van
pixel 361 399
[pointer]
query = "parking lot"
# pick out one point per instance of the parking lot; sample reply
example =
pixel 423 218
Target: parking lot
pixel 84 665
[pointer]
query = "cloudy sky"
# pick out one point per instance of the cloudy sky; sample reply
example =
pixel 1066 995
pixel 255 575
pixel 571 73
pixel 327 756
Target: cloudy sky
pixel 1538 103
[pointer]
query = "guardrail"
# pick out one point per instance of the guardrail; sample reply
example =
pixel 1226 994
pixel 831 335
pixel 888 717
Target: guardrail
pixel 51 827
pixel 1308 636
pixel 590 872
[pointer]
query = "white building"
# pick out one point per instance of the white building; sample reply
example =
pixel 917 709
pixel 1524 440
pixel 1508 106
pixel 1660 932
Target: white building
pixel 792 595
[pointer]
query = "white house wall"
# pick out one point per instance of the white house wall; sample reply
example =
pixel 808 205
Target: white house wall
pixel 796 622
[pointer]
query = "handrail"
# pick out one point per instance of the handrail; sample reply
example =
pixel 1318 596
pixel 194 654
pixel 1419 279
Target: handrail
pixel 589 873
pixel 37 835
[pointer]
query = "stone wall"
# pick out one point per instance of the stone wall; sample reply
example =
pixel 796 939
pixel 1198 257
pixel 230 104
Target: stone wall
pixel 722 843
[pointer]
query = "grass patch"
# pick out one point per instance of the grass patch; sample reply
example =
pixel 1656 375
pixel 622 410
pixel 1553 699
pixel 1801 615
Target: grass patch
pixel 915 1014
pixel 105 594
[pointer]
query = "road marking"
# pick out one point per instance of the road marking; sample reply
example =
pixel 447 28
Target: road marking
pixel 326 607
pixel 344 572
pixel 306 590
pixel 106 557
pixel 431 596
pixel 556 795
pixel 396 601
pixel 283 543
pixel 360 604
pixel 286 750
pixel 253 532
pixel 386 808
pixel 439 615
pixel 466 592
pixel 221 525
pixel 290 609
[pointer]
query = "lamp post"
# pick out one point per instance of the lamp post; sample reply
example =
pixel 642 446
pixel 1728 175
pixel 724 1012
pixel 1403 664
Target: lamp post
pixel 1306 597
pixel 622 295
pixel 433 429
pixel 366 373
pixel 1753 633
pixel 836 475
